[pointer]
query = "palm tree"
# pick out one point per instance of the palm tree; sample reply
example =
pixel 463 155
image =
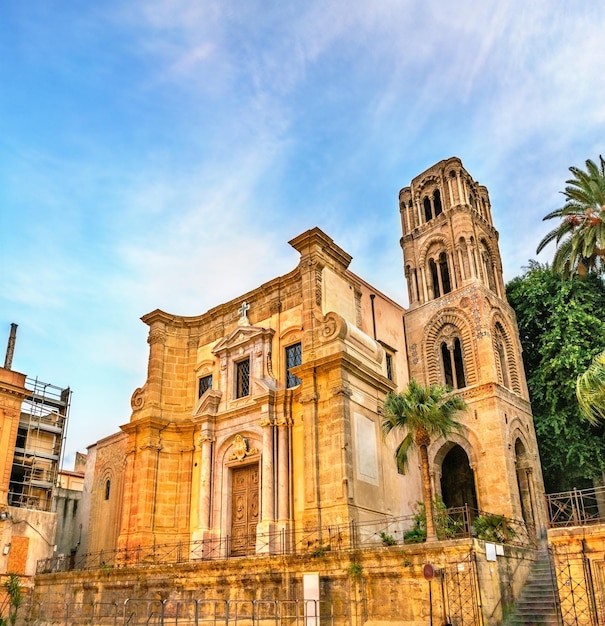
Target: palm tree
pixel 580 237
pixel 422 413
pixel 590 390
pixel 580 240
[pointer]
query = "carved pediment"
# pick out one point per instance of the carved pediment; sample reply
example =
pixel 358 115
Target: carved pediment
pixel 241 336
pixel 208 404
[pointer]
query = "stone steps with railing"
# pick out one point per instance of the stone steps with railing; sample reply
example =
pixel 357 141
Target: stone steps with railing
pixel 538 602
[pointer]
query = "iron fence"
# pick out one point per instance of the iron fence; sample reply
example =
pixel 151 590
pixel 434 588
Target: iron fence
pixel 191 612
pixel 579 507
pixel 455 523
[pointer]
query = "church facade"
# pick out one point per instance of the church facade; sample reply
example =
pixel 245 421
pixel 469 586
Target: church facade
pixel 261 417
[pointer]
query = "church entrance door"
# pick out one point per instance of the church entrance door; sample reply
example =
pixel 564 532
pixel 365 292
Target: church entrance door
pixel 244 510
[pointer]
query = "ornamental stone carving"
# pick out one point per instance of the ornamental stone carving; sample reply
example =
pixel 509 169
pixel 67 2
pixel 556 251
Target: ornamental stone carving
pixel 241 450
pixel 156 335
pixel 137 400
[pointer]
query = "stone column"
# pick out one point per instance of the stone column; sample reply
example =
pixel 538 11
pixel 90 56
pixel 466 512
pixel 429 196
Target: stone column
pixel 462 274
pixel 283 474
pixel 439 277
pixel 266 527
pixel 452 270
pixel 424 289
pixel 267 490
pixel 203 518
pixel 471 261
pixel 460 191
pixel 156 341
pixel 283 484
pixel 415 292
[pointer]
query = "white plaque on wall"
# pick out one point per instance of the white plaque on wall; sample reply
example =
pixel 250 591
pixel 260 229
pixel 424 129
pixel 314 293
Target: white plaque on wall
pixel 311 598
pixel 365 446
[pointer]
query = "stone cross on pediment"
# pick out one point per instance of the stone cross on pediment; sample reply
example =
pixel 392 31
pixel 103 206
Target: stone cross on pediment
pixel 243 311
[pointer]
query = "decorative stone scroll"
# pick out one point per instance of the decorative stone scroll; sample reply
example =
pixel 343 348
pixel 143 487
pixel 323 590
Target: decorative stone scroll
pixel 138 399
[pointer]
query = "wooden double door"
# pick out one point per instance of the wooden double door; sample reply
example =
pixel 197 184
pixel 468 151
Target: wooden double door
pixel 244 509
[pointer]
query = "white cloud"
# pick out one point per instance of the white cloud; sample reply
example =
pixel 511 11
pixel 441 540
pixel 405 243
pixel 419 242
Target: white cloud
pixel 210 133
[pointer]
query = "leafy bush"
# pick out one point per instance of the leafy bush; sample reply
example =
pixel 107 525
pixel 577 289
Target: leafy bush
pixel 387 540
pixel 355 570
pixel 12 585
pixel 445 526
pixel 491 527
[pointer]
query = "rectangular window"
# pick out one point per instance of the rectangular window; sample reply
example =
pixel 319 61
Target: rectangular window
pixel 293 358
pixel 21 438
pixel 389 366
pixel 242 375
pixel 205 384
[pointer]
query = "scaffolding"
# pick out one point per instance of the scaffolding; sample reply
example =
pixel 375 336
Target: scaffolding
pixel 39 445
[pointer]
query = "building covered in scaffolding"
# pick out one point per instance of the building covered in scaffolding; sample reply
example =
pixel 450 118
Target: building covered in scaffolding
pixel 33 423
pixel 38 446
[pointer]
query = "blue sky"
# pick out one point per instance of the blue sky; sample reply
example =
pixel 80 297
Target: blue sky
pixel 161 153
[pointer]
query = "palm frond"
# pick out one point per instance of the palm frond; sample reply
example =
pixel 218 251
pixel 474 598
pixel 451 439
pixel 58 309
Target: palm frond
pixel 590 390
pixel 580 237
pixel 431 407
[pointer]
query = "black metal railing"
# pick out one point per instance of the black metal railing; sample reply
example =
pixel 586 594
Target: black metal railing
pixel 579 507
pixel 181 612
pixel 454 523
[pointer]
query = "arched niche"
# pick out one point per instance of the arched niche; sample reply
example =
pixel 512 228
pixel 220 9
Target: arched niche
pixel 458 479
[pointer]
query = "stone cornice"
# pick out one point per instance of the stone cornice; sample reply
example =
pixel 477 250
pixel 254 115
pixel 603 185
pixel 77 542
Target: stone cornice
pixel 316 242
pixel 13 384
pixel 155 423
pixel 19 393
pixel 488 390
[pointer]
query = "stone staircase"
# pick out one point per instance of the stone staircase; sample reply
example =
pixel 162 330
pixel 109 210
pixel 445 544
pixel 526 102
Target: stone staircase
pixel 538 602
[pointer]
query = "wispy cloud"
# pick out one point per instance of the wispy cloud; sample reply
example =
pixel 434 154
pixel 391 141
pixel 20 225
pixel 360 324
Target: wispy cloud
pixel 161 153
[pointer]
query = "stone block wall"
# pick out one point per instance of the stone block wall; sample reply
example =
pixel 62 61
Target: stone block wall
pixel 374 587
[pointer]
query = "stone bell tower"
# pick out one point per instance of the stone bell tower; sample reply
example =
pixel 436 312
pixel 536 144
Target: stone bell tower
pixel 462 332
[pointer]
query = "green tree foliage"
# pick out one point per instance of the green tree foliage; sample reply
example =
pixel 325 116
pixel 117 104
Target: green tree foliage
pixel 561 325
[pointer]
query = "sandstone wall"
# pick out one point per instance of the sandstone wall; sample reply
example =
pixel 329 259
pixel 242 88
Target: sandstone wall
pixel 372 587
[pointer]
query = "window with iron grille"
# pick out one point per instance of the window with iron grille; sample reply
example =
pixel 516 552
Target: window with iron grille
pixel 293 358
pixel 242 375
pixel 205 384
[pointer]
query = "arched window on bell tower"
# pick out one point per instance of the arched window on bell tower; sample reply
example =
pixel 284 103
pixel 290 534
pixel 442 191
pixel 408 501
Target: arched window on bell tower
pixel 434 278
pixel 444 273
pixel 453 363
pixel 487 266
pixel 436 269
pixel 450 357
pixel 504 353
pixel 437 203
pixel 501 355
pixel 428 209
